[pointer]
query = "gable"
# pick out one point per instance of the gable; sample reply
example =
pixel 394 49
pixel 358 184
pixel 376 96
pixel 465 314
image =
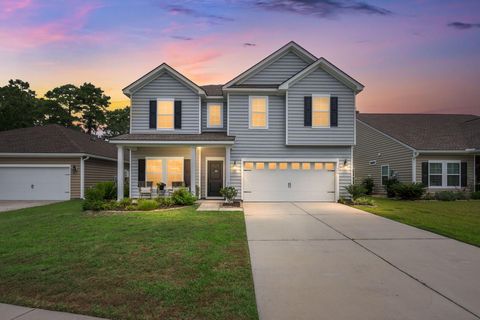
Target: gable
pixel 277 71
pixel 321 81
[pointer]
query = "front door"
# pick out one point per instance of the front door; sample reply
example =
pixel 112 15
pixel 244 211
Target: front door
pixel 215 178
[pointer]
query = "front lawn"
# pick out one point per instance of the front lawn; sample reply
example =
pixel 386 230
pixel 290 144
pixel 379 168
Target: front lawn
pixel 454 219
pixel 178 264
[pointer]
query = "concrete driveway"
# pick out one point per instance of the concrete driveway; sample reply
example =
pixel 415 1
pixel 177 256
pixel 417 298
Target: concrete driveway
pixel 8 205
pixel 330 261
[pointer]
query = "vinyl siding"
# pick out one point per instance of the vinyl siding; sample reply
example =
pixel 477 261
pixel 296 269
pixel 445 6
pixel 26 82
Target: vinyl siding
pixel 208 152
pixel 373 145
pixel 270 143
pixel 278 71
pixel 165 86
pixel 320 82
pixel 97 170
pixel 464 158
pixel 205 113
pixel 74 176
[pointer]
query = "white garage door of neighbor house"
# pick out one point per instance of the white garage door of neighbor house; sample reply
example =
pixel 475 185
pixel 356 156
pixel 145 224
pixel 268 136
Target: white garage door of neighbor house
pixel 288 181
pixel 34 183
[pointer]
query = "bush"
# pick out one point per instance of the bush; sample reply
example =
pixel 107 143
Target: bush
pixel 229 193
pixel 165 202
pixel 94 194
pixel 125 202
pixel 460 195
pixel 368 184
pixel 409 191
pixel 183 197
pixel 364 201
pixel 147 204
pixel 445 196
pixel 429 196
pixel 390 186
pixel 108 188
pixel 94 205
pixel 343 200
pixel 355 191
pixel 475 195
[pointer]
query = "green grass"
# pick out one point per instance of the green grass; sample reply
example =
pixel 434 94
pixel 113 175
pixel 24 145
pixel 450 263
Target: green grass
pixel 456 219
pixel 178 264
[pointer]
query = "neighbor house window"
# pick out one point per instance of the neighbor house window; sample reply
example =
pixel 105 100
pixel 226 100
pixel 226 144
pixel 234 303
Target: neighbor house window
pixel 215 115
pixel 435 173
pixel 320 111
pixel 453 174
pixel 444 174
pixel 165 113
pixel 258 113
pixel 166 170
pixel 385 174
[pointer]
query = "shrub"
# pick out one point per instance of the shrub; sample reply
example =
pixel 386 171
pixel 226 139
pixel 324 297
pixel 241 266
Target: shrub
pixel 165 202
pixel 355 191
pixel 108 188
pixel 475 195
pixel 409 191
pixel 125 202
pixel 94 205
pixel 147 204
pixel 94 194
pixel 229 193
pixel 183 197
pixel 364 201
pixel 460 195
pixel 429 196
pixel 368 184
pixel 343 200
pixel 445 196
pixel 390 186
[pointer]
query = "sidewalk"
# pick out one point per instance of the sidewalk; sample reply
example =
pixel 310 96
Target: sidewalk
pixel 11 312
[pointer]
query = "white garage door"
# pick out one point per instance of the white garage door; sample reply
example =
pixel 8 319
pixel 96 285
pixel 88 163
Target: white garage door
pixel 34 183
pixel 288 181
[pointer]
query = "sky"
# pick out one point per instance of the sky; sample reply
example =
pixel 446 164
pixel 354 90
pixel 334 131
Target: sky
pixel 413 56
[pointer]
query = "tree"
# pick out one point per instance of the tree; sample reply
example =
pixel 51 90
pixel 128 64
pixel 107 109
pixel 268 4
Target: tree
pixel 51 112
pixel 93 103
pixel 67 97
pixel 117 122
pixel 17 105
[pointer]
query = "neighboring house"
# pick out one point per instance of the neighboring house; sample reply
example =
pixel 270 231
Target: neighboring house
pixel 440 150
pixel 283 130
pixel 52 163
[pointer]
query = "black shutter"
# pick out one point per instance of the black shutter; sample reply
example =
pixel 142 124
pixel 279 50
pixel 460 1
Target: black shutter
pixel 425 173
pixel 186 172
pixel 153 114
pixel 141 170
pixel 178 114
pixel 463 174
pixel 333 111
pixel 307 111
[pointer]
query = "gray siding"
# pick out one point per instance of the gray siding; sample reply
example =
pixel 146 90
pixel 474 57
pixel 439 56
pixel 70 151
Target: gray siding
pixel 204 115
pixel 270 143
pixel 372 145
pixel 278 71
pixel 165 86
pixel 320 82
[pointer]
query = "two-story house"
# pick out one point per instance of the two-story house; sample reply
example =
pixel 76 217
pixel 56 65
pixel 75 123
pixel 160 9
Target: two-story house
pixel 283 130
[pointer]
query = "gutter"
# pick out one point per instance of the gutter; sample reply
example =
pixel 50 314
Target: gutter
pixel 82 176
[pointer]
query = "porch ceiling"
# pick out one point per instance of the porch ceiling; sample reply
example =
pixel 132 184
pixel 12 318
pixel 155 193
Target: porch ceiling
pixel 217 138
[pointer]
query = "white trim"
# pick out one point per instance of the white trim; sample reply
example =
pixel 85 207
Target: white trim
pixel 250 127
pixel 214 97
pixel 170 99
pixel 272 90
pixel 200 172
pixel 322 95
pixel 414 166
pixel 54 155
pixel 451 151
pixel 120 172
pixel 351 165
pixel 193 169
pixel 130 174
pixel 228 114
pixel 209 126
pixel 199 115
pixel 155 142
pixel 354 120
pixel 228 161
pixel 82 177
pixel 286 118
pixel 445 174
pixel 207 159
pixel 35 165
pixel 381 173
pixel 131 110
pixel 474 173
pixel 388 136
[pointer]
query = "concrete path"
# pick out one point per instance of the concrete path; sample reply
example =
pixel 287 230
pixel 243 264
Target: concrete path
pixel 330 261
pixel 8 205
pixel 11 312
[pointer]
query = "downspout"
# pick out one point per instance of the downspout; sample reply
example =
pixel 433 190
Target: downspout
pixel 414 166
pixel 82 176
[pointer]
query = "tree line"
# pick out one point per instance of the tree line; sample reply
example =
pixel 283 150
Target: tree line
pixel 83 107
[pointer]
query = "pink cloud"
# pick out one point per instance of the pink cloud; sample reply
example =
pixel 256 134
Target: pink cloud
pixel 8 7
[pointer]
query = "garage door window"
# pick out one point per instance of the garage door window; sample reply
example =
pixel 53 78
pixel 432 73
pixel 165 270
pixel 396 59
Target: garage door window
pixel 318 166
pixel 295 165
pixel 248 165
pixel 272 166
pixel 306 166
pixel 283 166
pixel 330 166
pixel 259 165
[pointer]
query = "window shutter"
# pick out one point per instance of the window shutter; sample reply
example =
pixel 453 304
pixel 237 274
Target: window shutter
pixel 333 111
pixel 307 111
pixel 153 114
pixel 425 173
pixel 141 170
pixel 186 172
pixel 463 174
pixel 178 114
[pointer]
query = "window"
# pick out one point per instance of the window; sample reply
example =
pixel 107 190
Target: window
pixel 295 165
pixel 259 165
pixel 435 174
pixel 330 166
pixel 320 111
pixel 444 174
pixel 165 113
pixel 453 174
pixel 306 166
pixel 258 113
pixel 385 174
pixel 166 170
pixel 318 166
pixel 214 115
pixel 272 166
pixel 283 166
pixel 248 165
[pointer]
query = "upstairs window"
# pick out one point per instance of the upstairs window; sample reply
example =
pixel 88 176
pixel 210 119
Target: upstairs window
pixel 258 113
pixel 165 114
pixel 214 115
pixel 320 111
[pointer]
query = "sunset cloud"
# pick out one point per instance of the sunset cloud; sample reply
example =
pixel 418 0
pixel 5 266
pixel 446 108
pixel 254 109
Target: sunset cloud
pixel 463 25
pixel 9 7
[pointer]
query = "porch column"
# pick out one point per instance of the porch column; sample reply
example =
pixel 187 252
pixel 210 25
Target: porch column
pixel 227 166
pixel 193 172
pixel 120 171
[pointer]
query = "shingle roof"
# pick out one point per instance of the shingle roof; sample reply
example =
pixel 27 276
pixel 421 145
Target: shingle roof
pixel 54 139
pixel 206 136
pixel 213 89
pixel 253 85
pixel 428 131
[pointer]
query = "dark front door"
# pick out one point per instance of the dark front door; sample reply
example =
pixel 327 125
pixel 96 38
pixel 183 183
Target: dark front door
pixel 215 178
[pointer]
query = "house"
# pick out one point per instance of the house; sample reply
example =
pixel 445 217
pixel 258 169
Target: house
pixel 52 163
pixel 283 130
pixel 440 150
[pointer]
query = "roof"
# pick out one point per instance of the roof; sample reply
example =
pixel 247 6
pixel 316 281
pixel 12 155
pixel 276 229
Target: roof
pixel 428 131
pixel 213 89
pixel 162 137
pixel 54 139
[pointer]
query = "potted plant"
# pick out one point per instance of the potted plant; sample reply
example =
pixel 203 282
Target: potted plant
pixel 161 186
pixel 229 193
